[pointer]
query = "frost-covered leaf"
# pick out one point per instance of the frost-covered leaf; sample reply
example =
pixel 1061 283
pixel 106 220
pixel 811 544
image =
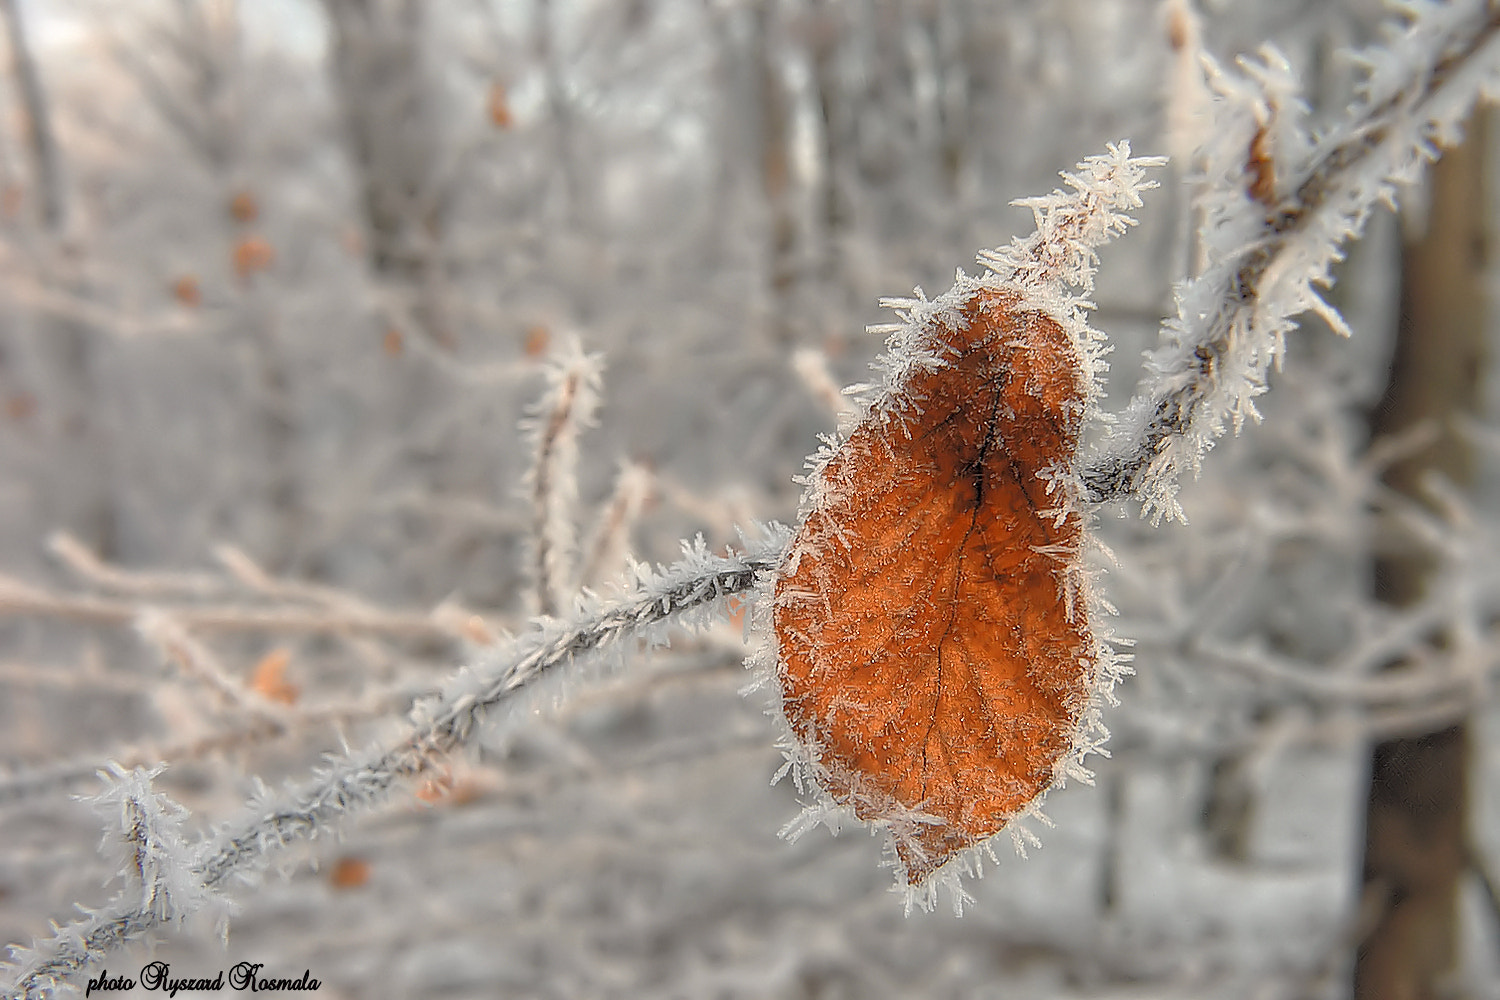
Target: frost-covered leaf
pixel 928 648
pixel 938 665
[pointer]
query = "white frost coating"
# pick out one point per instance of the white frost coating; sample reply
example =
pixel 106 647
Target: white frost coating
pixel 143 835
pixel 1279 203
pixel 1052 271
pixel 568 406
pixel 694 593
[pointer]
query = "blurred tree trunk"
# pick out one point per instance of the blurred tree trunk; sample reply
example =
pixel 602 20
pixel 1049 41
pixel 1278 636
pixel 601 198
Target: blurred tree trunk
pixel 825 32
pixel 40 144
pixel 774 126
pixel 202 97
pixel 560 113
pixel 381 85
pixel 732 135
pixel 81 489
pixel 885 113
pixel 945 28
pixel 1416 816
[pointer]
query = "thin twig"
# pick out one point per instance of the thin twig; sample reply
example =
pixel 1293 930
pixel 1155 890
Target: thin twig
pixel 25 783
pixel 177 646
pixel 607 552
pixel 86 565
pixel 17 598
pixel 1244 303
pixel 689 593
pixel 567 407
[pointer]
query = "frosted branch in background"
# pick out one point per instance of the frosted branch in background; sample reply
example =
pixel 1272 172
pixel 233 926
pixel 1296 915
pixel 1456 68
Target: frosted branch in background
pixel 609 546
pixel 57 776
pixel 693 593
pixel 811 367
pixel 143 831
pixel 176 646
pixel 1279 204
pixel 567 406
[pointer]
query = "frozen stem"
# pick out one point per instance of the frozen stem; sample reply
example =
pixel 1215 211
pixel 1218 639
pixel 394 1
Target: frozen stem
pixel 1281 205
pixel 611 539
pixel 692 593
pixel 568 406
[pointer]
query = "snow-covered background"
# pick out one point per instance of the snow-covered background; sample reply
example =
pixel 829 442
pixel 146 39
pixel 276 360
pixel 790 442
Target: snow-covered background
pixel 263 376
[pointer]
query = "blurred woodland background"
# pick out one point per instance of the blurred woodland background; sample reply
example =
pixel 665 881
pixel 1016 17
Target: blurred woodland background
pixel 280 281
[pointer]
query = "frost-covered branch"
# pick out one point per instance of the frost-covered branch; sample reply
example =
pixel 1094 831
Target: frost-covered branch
pixel 1279 205
pixel 176 646
pixel 18 598
pixel 608 548
pixel 568 406
pixel 28 782
pixel 160 885
pixel 811 367
pixel 89 567
pixel 693 593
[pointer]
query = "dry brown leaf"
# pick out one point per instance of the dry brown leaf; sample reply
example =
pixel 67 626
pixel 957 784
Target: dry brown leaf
pixel 349 872
pixel 498 106
pixel 253 254
pixel 185 290
pixel 929 654
pixel 243 207
pixel 269 677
